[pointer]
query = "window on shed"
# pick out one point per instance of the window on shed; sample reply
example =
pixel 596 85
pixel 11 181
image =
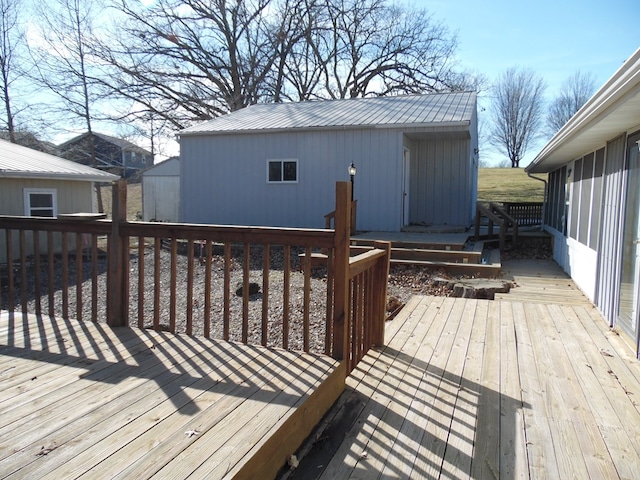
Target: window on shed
pixel 40 202
pixel 282 171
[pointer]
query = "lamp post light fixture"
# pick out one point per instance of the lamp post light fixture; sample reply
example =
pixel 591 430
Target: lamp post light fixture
pixel 352 174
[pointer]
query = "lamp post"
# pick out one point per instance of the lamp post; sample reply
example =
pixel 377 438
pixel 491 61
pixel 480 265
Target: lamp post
pixel 352 174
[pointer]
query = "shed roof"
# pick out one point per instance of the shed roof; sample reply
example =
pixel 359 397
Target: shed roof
pixel 119 142
pixel 441 109
pixel 17 161
pixel 167 168
pixel 611 111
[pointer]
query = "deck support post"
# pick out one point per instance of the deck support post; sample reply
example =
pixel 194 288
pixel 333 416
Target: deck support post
pixel 116 315
pixel 341 316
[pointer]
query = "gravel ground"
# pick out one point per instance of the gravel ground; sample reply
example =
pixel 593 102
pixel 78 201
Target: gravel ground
pixel 404 281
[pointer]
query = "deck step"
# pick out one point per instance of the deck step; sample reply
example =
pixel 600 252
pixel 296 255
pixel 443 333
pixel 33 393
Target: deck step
pixel 484 264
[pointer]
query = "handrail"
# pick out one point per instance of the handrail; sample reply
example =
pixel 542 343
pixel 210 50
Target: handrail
pixel 161 276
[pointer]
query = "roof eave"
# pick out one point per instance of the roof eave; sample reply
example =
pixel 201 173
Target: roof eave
pixel 66 177
pixel 457 125
pixel 622 86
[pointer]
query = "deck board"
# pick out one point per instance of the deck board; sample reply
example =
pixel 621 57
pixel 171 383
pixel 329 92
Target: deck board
pixel 83 400
pixel 492 389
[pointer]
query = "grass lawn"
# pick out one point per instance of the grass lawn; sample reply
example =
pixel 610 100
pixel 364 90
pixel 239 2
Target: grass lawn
pixel 509 185
pixel 134 200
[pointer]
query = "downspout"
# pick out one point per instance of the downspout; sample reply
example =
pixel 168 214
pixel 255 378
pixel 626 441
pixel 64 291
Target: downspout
pixel 544 198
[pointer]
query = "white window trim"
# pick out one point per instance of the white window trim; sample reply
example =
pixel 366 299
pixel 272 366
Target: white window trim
pixel 27 199
pixel 282 161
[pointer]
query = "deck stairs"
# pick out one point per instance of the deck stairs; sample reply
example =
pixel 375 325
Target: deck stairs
pixel 459 257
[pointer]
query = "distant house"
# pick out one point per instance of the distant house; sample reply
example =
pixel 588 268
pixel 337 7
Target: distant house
pixel 593 200
pixel 277 164
pixel 38 184
pixel 161 192
pixel 114 155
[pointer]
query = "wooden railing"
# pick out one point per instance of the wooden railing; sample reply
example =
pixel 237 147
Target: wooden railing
pixel 525 213
pixel 329 218
pixel 188 286
pixel 496 216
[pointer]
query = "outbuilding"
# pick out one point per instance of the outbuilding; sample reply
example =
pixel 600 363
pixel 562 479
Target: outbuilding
pixel 161 192
pixel 34 183
pixel 593 200
pixel 416 160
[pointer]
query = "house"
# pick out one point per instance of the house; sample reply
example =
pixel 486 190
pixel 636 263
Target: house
pixel 114 155
pixel 593 200
pixel 34 183
pixel 161 192
pixel 416 159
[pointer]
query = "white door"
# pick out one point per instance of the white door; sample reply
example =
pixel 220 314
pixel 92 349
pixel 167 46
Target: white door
pixel 630 278
pixel 406 162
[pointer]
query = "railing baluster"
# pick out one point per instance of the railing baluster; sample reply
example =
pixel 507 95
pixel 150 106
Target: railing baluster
pixel 329 307
pixel 65 275
pixel 79 276
pixel 126 267
pixel 227 291
pixel 307 291
pixel 207 289
pixel 51 279
pixel 173 285
pixel 36 259
pixel 141 282
pixel 157 247
pixel 10 281
pixel 286 282
pixel 266 265
pixel 245 293
pixel 190 260
pixel 94 278
pixel 23 272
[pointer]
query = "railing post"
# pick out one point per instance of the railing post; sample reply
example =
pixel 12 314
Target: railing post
pixel 341 317
pixel 116 316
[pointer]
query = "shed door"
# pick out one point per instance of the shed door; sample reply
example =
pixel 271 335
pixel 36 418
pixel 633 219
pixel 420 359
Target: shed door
pixel 406 162
pixel 630 278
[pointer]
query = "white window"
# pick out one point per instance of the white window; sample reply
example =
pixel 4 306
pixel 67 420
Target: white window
pixel 40 202
pixel 282 171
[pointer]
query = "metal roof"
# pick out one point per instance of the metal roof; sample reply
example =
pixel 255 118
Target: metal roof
pixel 611 111
pixel 17 161
pixel 435 109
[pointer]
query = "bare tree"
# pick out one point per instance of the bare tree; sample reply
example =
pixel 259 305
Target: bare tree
pixel 574 93
pixel 65 66
pixel 374 47
pixel 190 60
pixel 11 37
pixel 517 112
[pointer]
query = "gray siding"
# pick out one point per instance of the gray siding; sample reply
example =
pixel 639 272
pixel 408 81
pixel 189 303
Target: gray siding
pixel 610 251
pixel 442 182
pixel 223 178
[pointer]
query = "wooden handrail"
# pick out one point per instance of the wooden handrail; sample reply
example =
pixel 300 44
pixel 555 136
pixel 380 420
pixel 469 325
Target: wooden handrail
pixel 364 261
pixel 355 288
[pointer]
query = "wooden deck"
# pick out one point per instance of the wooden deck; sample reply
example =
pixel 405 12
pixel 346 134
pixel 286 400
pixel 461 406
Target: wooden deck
pixel 540 281
pixel 486 389
pixel 85 400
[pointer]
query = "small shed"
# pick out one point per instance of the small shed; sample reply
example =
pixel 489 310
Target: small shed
pixel 593 199
pixel 416 158
pixel 34 183
pixel 161 192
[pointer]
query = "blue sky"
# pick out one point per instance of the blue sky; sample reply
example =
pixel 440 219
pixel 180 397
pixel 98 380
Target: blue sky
pixel 554 38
